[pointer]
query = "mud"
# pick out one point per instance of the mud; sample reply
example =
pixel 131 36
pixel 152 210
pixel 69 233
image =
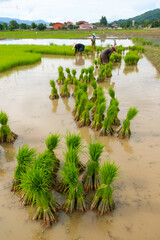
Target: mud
pixel 24 96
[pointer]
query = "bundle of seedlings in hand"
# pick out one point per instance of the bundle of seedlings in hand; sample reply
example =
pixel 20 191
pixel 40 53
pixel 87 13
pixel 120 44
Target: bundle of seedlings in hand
pixel 73 76
pixel 103 199
pixel 25 158
pixel 6 135
pixel 51 143
pixel 74 141
pixel 92 179
pixel 85 119
pixel 99 116
pixel 125 131
pixel 115 57
pixel 65 91
pixel 131 58
pixel 54 92
pixel 114 101
pixel 69 76
pixel 61 76
pixel 94 95
pixel 91 75
pixel 75 200
pixel 35 189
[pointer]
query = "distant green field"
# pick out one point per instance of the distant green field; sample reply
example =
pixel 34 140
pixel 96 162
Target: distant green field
pixel 79 33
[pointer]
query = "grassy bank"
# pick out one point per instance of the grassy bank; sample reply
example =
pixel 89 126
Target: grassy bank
pixel 152 51
pixel 18 55
pixel 148 33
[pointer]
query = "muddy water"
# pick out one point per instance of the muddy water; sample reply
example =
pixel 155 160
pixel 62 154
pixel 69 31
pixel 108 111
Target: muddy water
pixel 24 95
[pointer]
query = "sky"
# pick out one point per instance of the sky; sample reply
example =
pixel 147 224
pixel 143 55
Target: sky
pixel 75 10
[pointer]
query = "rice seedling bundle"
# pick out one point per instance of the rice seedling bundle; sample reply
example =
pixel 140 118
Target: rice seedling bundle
pixel 73 76
pixel 138 48
pixel 125 131
pixel 54 92
pixel 91 75
pixel 61 76
pixel 6 135
pixel 25 159
pixel 81 106
pixel 115 57
pixel 99 116
pixel 85 118
pixel 92 179
pixel 79 93
pixel 65 91
pixel 120 49
pixel 131 58
pixel 69 76
pixel 103 200
pixel 94 95
pixel 81 77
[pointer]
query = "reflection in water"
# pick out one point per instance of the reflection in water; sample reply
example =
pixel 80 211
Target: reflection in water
pixel 55 105
pixel 65 101
pixel 79 60
pixel 130 69
pixel 126 146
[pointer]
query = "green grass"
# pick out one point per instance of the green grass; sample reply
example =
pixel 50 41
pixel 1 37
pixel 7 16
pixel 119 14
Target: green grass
pixel 17 55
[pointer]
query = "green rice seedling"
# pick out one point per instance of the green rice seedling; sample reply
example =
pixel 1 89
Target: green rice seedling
pixel 61 76
pixel 79 93
pixel 74 141
pixel 85 119
pixel 101 74
pixel 25 158
pixel 75 200
pixel 138 48
pixel 125 131
pixel 84 87
pixel 91 75
pixel 115 57
pixel 81 106
pixel 54 92
pixel 52 142
pixel 6 135
pixel 94 95
pixel 131 58
pixel 114 101
pixel 103 200
pixel 108 70
pixel 120 49
pixel 73 78
pixel 100 99
pixel 76 87
pixel 99 61
pixel 81 77
pixel 69 76
pixel 65 91
pixel 99 116
pixel 92 179
pixel 35 189
pixel 96 63
pixel 86 76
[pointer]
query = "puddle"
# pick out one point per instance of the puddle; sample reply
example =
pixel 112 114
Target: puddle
pixel 24 96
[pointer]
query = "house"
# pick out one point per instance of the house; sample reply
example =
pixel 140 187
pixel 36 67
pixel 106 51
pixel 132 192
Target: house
pixel 69 23
pixel 86 26
pixel 115 25
pixel 58 26
pixel 49 28
pixel 81 22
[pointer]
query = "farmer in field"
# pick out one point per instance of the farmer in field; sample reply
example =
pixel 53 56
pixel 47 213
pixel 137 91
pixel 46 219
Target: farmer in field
pixel 106 53
pixel 78 48
pixel 93 40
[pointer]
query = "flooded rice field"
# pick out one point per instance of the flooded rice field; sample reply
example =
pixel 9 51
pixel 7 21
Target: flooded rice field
pixel 103 41
pixel 24 96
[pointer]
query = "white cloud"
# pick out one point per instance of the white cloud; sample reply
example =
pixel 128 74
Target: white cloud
pixel 63 10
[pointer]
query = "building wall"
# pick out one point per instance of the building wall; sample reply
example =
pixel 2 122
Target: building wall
pixel 57 26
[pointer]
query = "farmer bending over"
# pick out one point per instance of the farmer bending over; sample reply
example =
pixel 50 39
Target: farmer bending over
pixel 106 53
pixel 78 48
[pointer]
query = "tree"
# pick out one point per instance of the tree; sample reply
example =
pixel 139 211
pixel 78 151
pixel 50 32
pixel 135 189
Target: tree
pixel 103 21
pixel 14 24
pixel 5 26
pixel 51 24
pixel 23 26
pixel 1 26
pixel 33 25
pixel 41 26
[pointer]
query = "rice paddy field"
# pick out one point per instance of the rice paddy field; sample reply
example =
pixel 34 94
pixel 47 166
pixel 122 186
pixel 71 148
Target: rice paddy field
pixel 33 116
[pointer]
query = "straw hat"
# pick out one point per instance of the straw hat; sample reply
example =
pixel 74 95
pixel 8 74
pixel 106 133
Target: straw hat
pixel 73 46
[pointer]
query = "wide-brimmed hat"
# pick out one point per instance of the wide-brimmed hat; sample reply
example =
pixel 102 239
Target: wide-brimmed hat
pixel 73 46
pixel 94 34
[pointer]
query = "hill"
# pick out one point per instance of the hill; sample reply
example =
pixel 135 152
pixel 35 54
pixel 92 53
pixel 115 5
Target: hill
pixel 147 16
pixel 19 21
